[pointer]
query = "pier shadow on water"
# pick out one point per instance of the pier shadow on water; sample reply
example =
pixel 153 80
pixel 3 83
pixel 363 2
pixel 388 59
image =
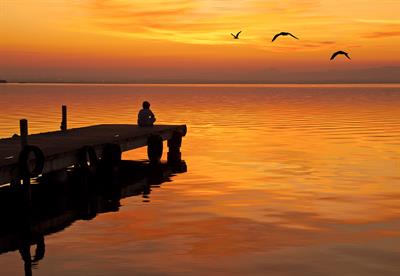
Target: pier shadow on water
pixel 61 198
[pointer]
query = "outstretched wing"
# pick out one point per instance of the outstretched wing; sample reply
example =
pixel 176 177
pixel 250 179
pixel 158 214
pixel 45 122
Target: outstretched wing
pixel 275 37
pixel 233 35
pixel 347 55
pixel 293 36
pixel 237 35
pixel 334 55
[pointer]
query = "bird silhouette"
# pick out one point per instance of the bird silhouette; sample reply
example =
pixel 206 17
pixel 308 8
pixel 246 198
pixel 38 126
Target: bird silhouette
pixel 283 34
pixel 236 36
pixel 340 53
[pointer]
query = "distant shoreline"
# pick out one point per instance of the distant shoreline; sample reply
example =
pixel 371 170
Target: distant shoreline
pixel 205 84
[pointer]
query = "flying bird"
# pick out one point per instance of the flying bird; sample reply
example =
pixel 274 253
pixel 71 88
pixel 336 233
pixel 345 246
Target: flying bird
pixel 236 36
pixel 340 53
pixel 283 34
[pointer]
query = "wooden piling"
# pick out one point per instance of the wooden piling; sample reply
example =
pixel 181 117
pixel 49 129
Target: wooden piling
pixel 154 148
pixel 174 145
pixel 26 187
pixel 23 130
pixel 63 126
pixel 26 181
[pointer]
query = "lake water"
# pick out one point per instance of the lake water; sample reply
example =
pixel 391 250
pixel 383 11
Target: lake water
pixel 281 180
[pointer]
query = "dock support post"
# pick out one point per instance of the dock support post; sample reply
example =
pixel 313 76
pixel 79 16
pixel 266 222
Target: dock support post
pixel 26 187
pixel 154 148
pixel 63 126
pixel 174 146
pixel 26 180
pixel 23 130
pixel 109 166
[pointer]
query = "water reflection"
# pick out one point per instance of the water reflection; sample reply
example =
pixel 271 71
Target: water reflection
pixel 59 199
pixel 283 179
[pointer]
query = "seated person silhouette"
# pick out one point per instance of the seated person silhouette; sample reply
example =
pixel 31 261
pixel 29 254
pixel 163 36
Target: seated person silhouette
pixel 146 116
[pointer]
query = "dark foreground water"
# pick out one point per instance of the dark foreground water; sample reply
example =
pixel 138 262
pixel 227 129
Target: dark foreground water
pixel 281 180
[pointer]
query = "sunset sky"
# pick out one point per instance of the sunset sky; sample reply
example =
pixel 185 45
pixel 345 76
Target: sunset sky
pixel 190 41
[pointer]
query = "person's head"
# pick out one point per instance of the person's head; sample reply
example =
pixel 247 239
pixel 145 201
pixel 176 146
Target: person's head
pixel 146 105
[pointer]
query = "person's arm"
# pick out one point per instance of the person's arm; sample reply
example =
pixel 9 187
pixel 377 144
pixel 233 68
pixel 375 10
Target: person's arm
pixel 152 116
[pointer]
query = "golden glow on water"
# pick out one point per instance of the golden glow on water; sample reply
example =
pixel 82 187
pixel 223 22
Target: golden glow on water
pixel 274 173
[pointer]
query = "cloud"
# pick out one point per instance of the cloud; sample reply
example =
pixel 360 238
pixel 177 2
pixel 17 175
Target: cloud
pixel 178 21
pixel 303 46
pixel 382 34
pixel 129 9
pixel 194 21
pixel 378 21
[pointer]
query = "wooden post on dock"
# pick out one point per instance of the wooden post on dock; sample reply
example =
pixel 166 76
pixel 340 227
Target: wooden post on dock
pixel 154 148
pixel 23 131
pixel 26 180
pixel 174 146
pixel 63 126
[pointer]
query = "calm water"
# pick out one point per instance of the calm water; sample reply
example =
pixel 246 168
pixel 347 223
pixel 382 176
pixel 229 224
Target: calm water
pixel 282 180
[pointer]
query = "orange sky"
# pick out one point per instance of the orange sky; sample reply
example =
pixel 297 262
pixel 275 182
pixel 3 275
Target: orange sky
pixel 189 40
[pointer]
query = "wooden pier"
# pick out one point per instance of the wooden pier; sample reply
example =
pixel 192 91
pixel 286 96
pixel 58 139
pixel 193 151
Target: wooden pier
pixel 30 155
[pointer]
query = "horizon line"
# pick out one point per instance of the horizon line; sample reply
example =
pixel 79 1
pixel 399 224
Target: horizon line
pixel 204 83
